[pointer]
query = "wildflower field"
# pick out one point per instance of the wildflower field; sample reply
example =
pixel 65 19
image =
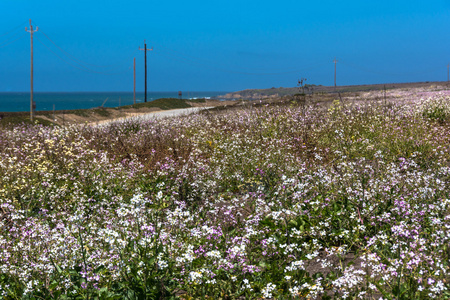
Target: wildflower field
pixel 342 200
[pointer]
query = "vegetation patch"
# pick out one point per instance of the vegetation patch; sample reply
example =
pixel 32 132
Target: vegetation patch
pixel 162 103
pixel 11 119
pixel 101 112
pixel 81 112
pixel 295 201
pixel 437 108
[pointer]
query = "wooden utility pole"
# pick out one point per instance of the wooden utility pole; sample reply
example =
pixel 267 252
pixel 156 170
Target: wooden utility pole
pixel 32 106
pixel 335 61
pixel 145 51
pixel 134 81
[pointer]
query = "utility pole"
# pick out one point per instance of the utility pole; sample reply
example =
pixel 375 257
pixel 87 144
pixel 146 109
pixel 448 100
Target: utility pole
pixel 335 61
pixel 134 81
pixel 448 77
pixel 145 51
pixel 32 105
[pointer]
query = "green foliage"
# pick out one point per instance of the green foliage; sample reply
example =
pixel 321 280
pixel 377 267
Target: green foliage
pixel 101 112
pixel 200 100
pixel 437 112
pixel 362 132
pixel 11 120
pixel 437 109
pixel 81 112
pixel 163 103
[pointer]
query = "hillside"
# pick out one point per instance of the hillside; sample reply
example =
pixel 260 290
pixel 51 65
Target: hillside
pixel 271 93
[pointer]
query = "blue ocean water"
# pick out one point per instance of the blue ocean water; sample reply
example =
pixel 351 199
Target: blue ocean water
pixel 18 101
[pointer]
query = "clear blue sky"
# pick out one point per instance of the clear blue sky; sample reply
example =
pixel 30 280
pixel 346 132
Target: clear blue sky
pixel 225 45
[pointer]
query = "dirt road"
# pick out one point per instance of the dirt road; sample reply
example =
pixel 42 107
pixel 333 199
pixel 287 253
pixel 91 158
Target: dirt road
pixel 156 115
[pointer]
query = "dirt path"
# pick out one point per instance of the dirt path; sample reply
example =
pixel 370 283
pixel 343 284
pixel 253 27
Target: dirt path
pixel 154 115
pixel 106 115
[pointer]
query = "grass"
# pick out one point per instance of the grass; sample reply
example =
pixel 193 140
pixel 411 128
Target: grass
pixel 101 112
pixel 81 112
pixel 14 119
pixel 293 201
pixel 162 103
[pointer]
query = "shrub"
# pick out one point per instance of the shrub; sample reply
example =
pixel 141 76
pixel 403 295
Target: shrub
pixel 435 108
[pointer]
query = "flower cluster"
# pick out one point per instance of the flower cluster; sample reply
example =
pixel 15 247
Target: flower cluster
pixel 344 200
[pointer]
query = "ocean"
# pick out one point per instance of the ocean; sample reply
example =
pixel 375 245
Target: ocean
pixel 20 101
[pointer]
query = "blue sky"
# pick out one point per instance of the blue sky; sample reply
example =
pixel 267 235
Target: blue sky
pixel 221 45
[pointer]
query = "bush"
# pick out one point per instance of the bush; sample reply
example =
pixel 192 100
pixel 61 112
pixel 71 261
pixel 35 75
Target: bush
pixel 436 108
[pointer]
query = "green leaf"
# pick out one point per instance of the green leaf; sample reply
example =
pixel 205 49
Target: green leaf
pixel 100 268
pixel 58 269
pixel 53 284
pixel 382 291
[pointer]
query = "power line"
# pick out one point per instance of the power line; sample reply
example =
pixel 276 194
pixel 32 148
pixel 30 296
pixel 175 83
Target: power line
pixel 14 29
pixel 74 66
pixel 363 69
pixel 208 64
pixel 67 54
pixel 71 57
pixel 7 43
pixel 180 56
pixel 225 70
pixel 82 67
pixel 86 64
